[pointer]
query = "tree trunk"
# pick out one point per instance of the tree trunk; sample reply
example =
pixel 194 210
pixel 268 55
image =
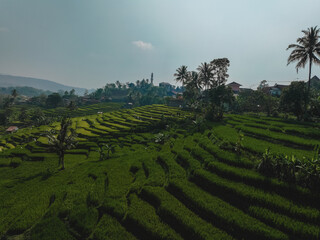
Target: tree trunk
pixel 62 162
pixel 308 91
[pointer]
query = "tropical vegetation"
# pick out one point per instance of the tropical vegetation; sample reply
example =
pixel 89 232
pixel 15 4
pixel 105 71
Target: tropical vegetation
pixel 216 165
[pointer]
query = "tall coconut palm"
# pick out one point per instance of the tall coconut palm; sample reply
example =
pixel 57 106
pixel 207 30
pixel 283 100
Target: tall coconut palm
pixel 192 89
pixel 181 74
pixel 193 80
pixel 206 74
pixel 14 93
pixel 118 84
pixel 307 49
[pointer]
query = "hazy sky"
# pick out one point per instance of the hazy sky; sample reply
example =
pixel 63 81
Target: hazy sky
pixel 87 43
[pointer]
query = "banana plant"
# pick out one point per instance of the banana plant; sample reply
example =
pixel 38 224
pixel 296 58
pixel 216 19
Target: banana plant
pixel 266 166
pixel 239 144
pixel 105 150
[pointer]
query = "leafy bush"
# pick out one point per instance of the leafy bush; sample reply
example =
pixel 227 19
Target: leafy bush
pixel 305 172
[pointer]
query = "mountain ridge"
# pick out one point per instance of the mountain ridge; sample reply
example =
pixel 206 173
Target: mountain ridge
pixel 7 80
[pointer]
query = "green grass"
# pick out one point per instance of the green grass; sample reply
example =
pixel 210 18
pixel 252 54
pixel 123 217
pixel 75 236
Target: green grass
pixel 51 228
pixel 144 216
pixel 187 223
pixel 276 136
pixel 286 224
pixel 85 110
pixel 230 134
pixel 221 213
pixel 110 228
pixel 250 195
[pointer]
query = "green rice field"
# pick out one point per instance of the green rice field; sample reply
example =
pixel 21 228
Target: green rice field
pixel 188 186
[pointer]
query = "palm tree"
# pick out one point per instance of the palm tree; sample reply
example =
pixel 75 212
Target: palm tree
pixel 193 80
pixel 307 49
pixel 14 93
pixel 64 140
pixel 106 91
pixel 206 74
pixel 181 74
pixel 104 151
pixel 118 84
pixel 192 90
pixel 72 106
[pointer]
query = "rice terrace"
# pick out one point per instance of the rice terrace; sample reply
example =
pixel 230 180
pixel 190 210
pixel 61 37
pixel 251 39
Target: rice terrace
pixel 163 120
pixel 189 184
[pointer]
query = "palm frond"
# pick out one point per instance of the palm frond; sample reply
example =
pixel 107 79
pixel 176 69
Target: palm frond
pixel 181 74
pixel 316 60
pixel 302 63
pixel 307 48
pixel 294 46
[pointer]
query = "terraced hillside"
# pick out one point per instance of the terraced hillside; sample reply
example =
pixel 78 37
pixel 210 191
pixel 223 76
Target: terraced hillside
pixel 103 127
pixel 85 110
pixel 188 186
pixel 281 136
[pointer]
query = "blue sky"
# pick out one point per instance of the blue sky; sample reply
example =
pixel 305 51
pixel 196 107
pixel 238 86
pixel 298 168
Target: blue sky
pixel 88 43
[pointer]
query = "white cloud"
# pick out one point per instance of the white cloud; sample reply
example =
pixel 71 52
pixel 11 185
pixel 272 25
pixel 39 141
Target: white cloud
pixel 143 45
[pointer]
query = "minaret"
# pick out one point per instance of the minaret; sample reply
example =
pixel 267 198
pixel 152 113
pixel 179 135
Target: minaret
pixel 151 79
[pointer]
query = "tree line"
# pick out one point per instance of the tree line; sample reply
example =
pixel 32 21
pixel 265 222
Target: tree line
pixel 206 93
pixel 205 89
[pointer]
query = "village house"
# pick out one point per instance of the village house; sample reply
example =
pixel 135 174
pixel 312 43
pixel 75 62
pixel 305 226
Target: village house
pixel 167 86
pixel 277 89
pixel 245 90
pixel 12 129
pixel 235 87
pixel 315 82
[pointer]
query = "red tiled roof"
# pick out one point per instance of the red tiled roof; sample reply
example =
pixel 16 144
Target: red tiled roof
pixel 234 83
pixel 12 128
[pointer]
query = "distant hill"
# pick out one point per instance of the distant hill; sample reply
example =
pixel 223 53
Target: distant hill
pixel 15 81
pixel 26 91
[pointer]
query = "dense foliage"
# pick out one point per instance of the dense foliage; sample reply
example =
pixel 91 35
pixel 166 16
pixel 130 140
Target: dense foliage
pixel 205 90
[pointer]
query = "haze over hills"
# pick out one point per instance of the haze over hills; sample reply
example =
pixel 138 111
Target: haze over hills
pixel 18 81
pixel 26 91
